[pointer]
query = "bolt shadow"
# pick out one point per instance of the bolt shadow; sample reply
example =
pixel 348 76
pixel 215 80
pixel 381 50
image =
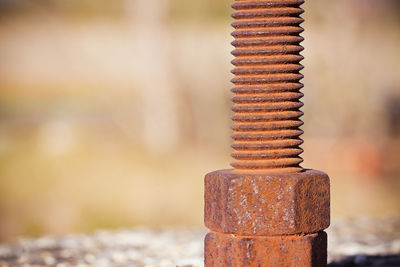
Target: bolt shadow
pixel 362 260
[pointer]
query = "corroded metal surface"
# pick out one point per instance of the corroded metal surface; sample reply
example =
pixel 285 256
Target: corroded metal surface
pixel 267 82
pixel 265 251
pixel 254 204
pixel 267 210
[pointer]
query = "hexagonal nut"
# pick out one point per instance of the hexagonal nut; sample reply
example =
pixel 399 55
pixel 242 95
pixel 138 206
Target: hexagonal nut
pixel 266 204
pixel 226 250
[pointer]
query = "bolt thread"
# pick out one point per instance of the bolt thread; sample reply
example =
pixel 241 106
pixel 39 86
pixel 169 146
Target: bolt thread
pixel 266 105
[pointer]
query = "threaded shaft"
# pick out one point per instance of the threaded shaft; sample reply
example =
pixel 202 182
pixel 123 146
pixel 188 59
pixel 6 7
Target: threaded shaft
pixel 267 78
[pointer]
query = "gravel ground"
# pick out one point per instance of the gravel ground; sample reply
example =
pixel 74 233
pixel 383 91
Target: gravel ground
pixel 357 242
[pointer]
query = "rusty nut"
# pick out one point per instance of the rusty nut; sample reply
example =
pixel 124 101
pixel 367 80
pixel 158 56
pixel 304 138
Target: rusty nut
pixel 223 250
pixel 266 204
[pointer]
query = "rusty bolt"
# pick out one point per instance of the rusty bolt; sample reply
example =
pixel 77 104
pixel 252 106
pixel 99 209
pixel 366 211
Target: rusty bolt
pixel 267 210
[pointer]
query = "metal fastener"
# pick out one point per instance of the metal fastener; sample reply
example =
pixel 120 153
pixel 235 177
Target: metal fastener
pixel 267 210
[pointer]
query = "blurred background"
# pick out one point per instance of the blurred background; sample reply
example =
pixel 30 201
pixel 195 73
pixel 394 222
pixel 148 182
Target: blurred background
pixel 111 112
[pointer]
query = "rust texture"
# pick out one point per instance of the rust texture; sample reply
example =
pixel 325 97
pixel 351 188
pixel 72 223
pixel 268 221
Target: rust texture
pixel 267 210
pixel 253 204
pixel 265 251
pixel 266 104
